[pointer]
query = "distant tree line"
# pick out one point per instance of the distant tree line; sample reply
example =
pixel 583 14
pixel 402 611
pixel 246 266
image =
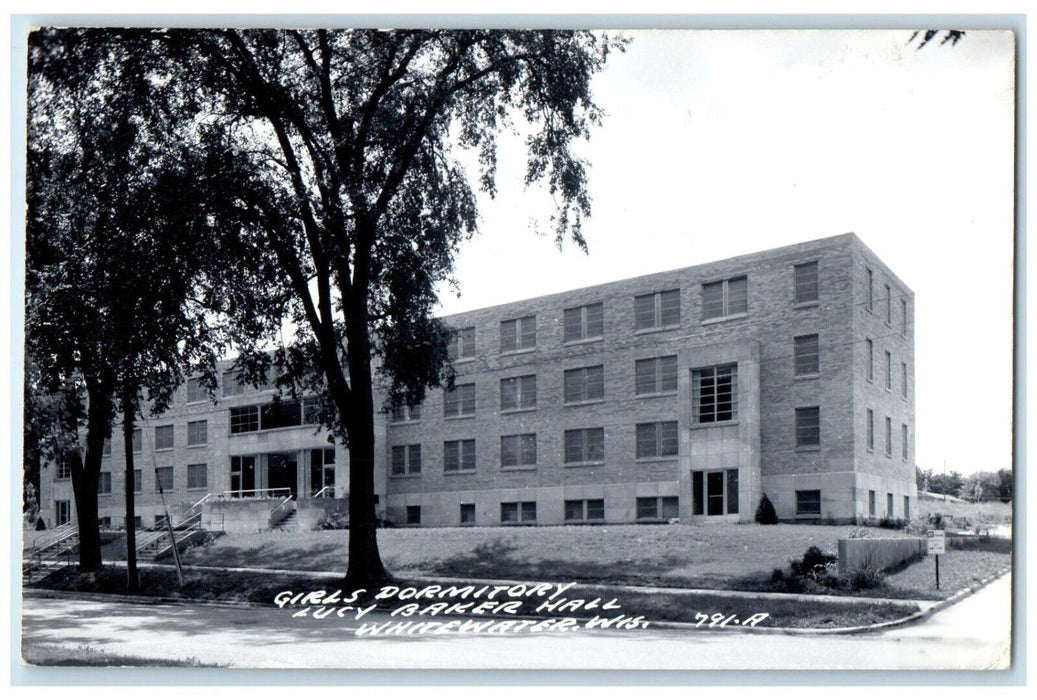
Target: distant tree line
pixel 979 486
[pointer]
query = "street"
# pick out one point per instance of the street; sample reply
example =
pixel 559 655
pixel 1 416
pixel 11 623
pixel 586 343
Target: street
pixel 973 635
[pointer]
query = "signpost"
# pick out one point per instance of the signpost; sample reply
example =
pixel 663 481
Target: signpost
pixel 936 544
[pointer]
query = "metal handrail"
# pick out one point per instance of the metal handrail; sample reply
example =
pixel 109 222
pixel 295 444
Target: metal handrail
pixel 72 532
pixel 320 494
pixel 255 493
pixel 56 533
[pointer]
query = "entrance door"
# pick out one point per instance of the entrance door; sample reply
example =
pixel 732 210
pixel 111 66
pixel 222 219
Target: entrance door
pixel 282 472
pixel 714 493
pixel 62 512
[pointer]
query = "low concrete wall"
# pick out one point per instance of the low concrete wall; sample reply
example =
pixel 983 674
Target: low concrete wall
pixel 238 515
pixel 309 511
pixel 883 553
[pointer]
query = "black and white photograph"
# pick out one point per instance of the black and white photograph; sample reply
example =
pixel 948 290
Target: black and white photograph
pixel 494 347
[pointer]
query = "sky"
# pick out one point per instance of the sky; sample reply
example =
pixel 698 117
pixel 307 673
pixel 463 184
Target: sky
pixel 720 143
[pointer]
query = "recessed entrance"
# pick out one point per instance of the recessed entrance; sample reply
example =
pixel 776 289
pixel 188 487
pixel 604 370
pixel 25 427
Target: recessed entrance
pixel 282 472
pixel 714 492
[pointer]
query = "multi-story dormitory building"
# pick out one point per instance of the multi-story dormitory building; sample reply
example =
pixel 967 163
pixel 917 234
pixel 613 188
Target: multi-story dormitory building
pixel 686 393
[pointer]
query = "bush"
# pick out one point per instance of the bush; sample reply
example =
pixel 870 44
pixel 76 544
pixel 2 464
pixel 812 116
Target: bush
pixel 335 520
pixel 892 523
pixel 868 577
pixel 765 514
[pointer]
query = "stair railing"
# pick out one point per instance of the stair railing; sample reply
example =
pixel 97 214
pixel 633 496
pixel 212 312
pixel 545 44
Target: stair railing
pixel 282 506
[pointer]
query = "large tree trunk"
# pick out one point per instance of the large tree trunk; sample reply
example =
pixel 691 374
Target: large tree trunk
pixel 85 475
pixel 129 410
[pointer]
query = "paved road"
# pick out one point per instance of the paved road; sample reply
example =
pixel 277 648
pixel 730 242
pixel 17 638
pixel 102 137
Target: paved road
pixel 970 635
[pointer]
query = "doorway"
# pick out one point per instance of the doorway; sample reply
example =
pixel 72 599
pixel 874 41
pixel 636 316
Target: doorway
pixel 282 472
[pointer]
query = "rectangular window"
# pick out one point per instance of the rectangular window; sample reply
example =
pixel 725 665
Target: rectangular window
pixel 871 502
pixel 459 456
pixel 871 429
pixel 725 298
pixel 518 393
pixel 459 401
pixel 889 505
pixel 585 510
pixel 904 444
pixel 657 310
pixel 322 472
pixel 807 355
pixel 243 476
pixel 311 410
pixel 889 371
pixel 808 503
pixel 518 334
pixel 584 446
pixel 870 348
pixel 889 436
pixel 903 318
pixel 870 303
pixel 808 426
pixel 138 481
pixel 196 391
pixel 163 437
pixel 732 491
pixel 657 439
pixel 655 375
pixel 655 508
pixel 903 379
pixel 158 522
pixel 244 419
pixel 889 305
pixel 232 386
pixel 406 414
pixel 64 468
pixel 406 459
pixel 104 522
pixel 518 450
pixel 62 512
pixel 698 493
pixel 585 384
pixel 197 433
pixel 462 343
pixel 907 507
pixel 106 450
pixel 518 512
pixel 805 282
pixel 714 492
pixel 414 515
pixel 164 478
pixel 281 414
pixel 197 476
pixel 104 483
pixel 715 394
pixel 467 514
pixel 584 323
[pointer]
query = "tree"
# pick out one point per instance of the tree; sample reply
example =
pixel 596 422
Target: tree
pixel 343 146
pixel 118 244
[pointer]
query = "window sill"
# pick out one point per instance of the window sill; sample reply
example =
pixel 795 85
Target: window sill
pixel 808 448
pixel 163 449
pixel 462 360
pixel 520 351
pixel 655 395
pixel 650 460
pixel 197 488
pixel 195 403
pixel 511 523
pixel 595 521
pixel 464 417
pixel 583 341
pixel 453 472
pixel 509 411
pixel 806 304
pixel 714 424
pixel 583 464
pixel 721 319
pixel 201 444
pixel 404 422
pixel 658 329
pixel 591 402
pixel 520 468
pixel 405 476
pixel 797 377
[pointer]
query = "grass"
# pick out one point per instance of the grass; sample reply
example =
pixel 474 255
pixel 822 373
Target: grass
pixel 35 654
pixel 967 515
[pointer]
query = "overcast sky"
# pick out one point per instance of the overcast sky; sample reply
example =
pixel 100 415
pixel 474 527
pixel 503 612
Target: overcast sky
pixel 721 143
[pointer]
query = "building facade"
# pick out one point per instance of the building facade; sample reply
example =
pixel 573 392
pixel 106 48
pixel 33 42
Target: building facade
pixel 684 394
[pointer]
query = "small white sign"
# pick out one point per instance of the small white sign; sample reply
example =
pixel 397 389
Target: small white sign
pixel 936 542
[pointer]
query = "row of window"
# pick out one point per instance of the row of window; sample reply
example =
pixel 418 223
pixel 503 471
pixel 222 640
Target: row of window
pixel 197 478
pixel 889 505
pixel 721 299
pixel 905 445
pixel 587 510
pixel 888 365
pixel 165 438
pixel 887 311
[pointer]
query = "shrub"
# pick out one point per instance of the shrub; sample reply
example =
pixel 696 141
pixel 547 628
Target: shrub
pixel 765 514
pixel 892 523
pixel 865 578
pixel 335 520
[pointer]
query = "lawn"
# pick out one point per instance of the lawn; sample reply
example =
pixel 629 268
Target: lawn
pixel 967 515
pixel 706 556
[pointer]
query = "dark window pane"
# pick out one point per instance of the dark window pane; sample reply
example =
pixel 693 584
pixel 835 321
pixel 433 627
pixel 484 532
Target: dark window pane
pixel 670 307
pixel 808 502
pixel 697 493
pixel 808 426
pixel 573 325
pixel 670 507
pixel 712 300
pixel 807 358
pixel 644 312
pixel 732 491
pixel 647 508
pixel 806 282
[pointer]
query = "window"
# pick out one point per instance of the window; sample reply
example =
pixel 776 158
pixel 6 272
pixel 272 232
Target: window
pixel 889 305
pixel 406 459
pixel 281 414
pixel 196 391
pixel 584 446
pixel 163 437
pixel 889 505
pixel 459 401
pixel 871 502
pixel 64 468
pixel 518 393
pixel 322 471
pixel 871 358
pixel 243 476
pixel 459 456
pixel 657 439
pixel 725 298
pixel 311 410
pixel 138 522
pixel 462 343
pixel 197 476
pixel 656 508
pixel 870 303
pixel 808 426
pixel 414 515
pixel 468 514
pixel 518 334
pixel 244 419
pixel 197 433
pixel 406 414
pixel 871 429
pixel 805 282
pixel 158 521
pixel 585 384
pixel 714 492
pixel 808 503
pixel 715 394
pixel 656 375
pixel 106 449
pixel 518 512
pixel 138 481
pixel 62 512
pixel 904 444
pixel 104 522
pixel 903 379
pixel 584 323
pixel 232 386
pixel 585 510
pixel 163 478
pixel 657 310
pixel 518 450
pixel 903 319
pixel 889 371
pixel 907 507
pixel 104 483
pixel 807 358
pixel 889 436
pixel 136 441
